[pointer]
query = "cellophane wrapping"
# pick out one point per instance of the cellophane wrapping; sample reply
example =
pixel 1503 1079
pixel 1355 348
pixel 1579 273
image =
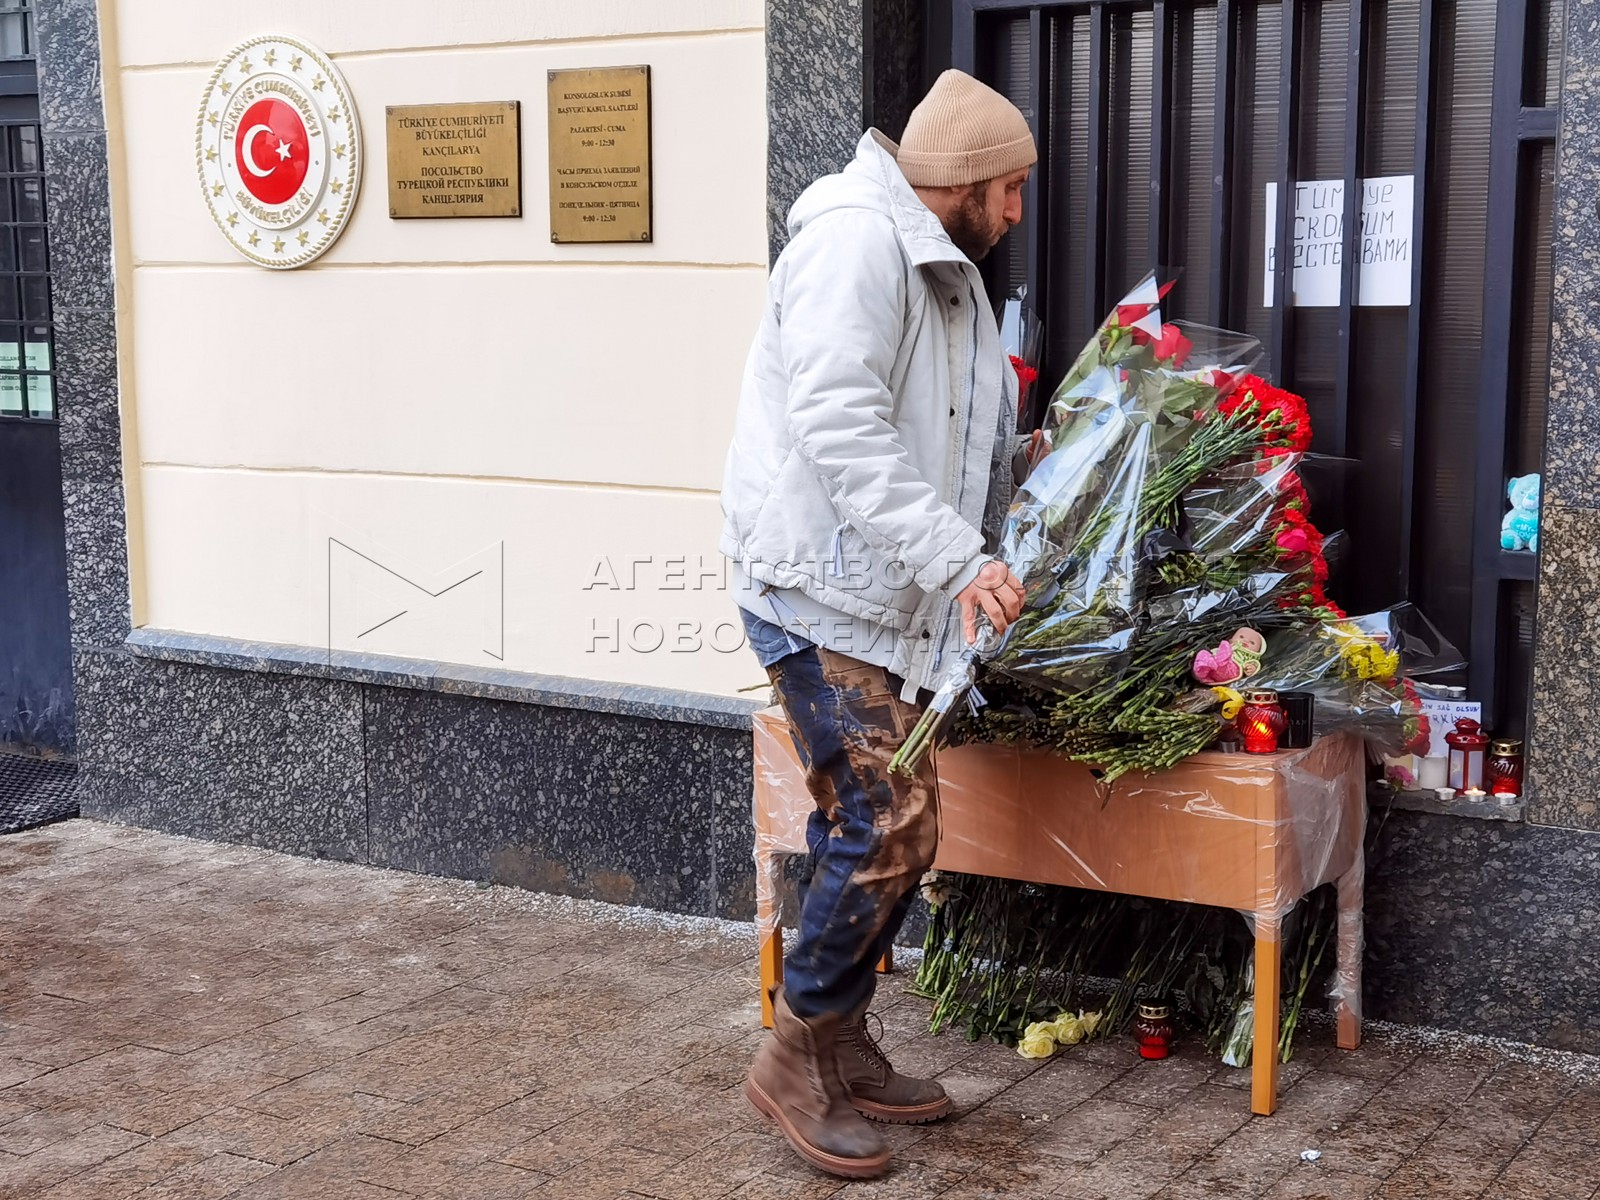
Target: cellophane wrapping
pixel 1250 833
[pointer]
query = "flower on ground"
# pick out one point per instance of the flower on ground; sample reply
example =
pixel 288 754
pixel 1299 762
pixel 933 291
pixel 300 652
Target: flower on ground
pixel 1041 1039
pixel 1067 1030
pixel 935 889
pixel 1038 1042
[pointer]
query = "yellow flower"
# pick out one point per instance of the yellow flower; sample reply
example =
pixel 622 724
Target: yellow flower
pixel 1067 1030
pixel 1038 1041
pixel 1089 1022
pixel 1232 702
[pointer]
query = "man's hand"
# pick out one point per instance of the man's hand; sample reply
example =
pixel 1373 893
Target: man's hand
pixel 997 593
pixel 1037 449
pixel 1030 453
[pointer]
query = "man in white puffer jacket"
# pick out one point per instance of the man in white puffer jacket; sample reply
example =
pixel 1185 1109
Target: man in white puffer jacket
pixel 873 449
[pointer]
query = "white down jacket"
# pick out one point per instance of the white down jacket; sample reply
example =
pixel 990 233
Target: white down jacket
pixel 873 413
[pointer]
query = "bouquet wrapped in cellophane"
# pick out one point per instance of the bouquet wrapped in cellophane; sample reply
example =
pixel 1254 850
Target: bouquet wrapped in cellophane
pixel 1169 561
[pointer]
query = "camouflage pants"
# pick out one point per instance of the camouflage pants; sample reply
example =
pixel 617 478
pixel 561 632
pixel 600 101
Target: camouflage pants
pixel 872 836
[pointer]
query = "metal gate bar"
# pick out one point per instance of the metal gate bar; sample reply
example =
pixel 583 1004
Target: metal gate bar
pixel 1222 162
pixel 1337 439
pixel 1041 89
pixel 1421 169
pixel 1094 269
pixel 1160 131
pixel 1280 346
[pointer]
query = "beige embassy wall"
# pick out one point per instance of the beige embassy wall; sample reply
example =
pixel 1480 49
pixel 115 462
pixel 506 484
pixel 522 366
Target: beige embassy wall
pixel 456 406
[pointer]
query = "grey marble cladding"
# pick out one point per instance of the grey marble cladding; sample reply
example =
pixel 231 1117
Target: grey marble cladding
pixel 615 808
pixel 78 201
pixel 83 298
pixel 553 691
pixel 1564 762
pixel 86 393
pixel 68 33
pixel 815 102
pixel 1572 446
pixel 895 62
pixel 236 756
pixel 97 561
pixel 1484 926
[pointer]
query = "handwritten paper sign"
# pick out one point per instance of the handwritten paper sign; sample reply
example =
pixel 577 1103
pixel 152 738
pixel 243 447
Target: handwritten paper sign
pixel 1442 717
pixel 1383 276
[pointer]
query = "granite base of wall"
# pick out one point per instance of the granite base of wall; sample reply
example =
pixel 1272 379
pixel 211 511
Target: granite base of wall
pixel 618 808
pixel 1481 926
pixel 237 756
pixel 623 809
pixel 1484 926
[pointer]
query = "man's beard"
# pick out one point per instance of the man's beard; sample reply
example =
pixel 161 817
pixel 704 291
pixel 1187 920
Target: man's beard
pixel 969 226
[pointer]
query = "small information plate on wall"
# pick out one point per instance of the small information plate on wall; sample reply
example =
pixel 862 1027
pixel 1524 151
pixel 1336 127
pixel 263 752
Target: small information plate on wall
pixel 600 155
pixel 455 160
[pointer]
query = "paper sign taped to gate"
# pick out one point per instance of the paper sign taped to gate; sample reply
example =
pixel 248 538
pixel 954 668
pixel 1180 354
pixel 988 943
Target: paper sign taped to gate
pixel 1383 274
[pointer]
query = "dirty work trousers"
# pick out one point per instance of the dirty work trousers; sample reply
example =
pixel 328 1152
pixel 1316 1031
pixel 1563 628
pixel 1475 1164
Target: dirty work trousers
pixel 872 836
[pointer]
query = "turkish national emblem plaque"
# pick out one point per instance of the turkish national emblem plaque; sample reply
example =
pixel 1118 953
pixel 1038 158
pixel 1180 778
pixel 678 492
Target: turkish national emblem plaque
pixel 279 151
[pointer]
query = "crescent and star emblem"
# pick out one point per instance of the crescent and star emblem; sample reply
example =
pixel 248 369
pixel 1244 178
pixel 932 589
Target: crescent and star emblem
pixel 278 183
pixel 248 157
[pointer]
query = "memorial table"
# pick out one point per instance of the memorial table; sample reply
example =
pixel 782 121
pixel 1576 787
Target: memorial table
pixel 1255 833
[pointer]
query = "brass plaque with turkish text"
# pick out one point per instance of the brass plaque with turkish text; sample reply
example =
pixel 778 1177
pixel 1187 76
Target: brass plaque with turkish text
pixel 600 155
pixel 455 160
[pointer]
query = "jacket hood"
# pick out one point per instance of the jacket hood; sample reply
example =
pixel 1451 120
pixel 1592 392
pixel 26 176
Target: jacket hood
pixel 873 181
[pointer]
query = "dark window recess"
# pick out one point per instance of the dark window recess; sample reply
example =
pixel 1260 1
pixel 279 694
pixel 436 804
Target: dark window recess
pixel 16 30
pixel 1161 125
pixel 27 344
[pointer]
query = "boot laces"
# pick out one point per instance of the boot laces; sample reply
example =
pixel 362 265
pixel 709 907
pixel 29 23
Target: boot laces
pixel 868 1043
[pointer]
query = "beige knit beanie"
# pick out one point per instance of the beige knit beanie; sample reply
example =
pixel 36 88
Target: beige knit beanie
pixel 964 132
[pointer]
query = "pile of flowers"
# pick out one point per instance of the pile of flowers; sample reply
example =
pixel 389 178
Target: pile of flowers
pixel 1170 561
pixel 1166 535
pixel 1043 1038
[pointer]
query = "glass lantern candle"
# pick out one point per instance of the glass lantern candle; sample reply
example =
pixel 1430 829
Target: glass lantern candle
pixel 1261 722
pixel 1153 1031
pixel 1468 747
pixel 1505 767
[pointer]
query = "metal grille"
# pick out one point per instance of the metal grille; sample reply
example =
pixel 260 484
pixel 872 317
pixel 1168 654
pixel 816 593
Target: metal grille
pixel 35 791
pixel 16 29
pixel 1162 124
pixel 27 360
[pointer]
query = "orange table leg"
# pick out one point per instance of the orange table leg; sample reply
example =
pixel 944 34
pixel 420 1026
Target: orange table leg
pixel 771 970
pixel 1264 1055
pixel 1352 922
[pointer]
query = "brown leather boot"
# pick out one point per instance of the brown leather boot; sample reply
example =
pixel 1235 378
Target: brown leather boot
pixel 877 1090
pixel 796 1082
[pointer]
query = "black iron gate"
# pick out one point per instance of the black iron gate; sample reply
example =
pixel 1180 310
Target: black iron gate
pixel 1161 125
pixel 36 708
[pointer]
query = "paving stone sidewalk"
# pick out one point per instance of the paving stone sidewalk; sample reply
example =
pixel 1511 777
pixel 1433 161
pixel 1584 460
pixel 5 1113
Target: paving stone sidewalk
pixel 191 1022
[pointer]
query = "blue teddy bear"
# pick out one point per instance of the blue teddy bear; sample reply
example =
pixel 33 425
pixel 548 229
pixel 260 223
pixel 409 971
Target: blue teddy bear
pixel 1519 528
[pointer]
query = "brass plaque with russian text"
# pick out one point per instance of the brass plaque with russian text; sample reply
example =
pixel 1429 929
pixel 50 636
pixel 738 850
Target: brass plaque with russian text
pixel 455 160
pixel 600 155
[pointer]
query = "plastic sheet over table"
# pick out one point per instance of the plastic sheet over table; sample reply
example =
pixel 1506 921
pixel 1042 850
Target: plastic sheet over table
pixel 1255 833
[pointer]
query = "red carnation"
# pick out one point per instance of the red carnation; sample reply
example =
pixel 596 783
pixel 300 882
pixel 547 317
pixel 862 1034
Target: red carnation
pixel 1292 493
pixel 1127 314
pixel 1172 347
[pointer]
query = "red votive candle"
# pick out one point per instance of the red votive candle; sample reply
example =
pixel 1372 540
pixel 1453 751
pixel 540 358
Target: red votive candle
pixel 1153 1030
pixel 1261 722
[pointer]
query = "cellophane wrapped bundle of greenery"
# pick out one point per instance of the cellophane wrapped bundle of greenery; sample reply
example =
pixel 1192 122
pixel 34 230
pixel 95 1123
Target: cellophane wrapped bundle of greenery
pixel 1002 956
pixel 1169 560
